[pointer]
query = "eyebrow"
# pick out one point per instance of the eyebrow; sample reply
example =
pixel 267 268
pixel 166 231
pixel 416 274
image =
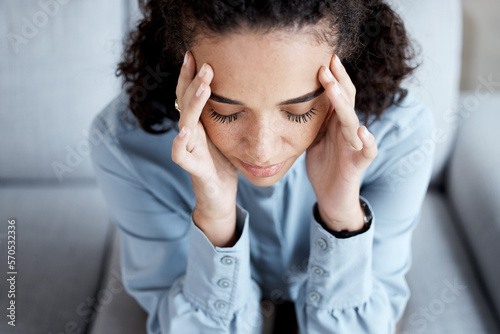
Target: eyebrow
pixel 300 99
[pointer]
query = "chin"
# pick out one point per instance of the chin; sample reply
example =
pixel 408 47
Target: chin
pixel 263 181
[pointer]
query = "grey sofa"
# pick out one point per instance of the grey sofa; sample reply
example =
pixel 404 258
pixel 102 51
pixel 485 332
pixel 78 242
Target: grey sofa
pixel 58 60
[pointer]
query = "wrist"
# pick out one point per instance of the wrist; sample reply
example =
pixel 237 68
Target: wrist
pixel 339 205
pixel 349 219
pixel 220 229
pixel 338 231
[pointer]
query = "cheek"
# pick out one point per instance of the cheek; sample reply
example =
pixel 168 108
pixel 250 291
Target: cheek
pixel 223 136
pixel 309 133
pixel 310 130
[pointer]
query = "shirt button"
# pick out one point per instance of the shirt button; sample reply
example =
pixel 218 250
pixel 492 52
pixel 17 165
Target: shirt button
pixel 220 305
pixel 224 283
pixel 321 243
pixel 227 260
pixel 314 296
pixel 318 270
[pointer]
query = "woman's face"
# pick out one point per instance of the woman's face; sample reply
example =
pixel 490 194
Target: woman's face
pixel 268 81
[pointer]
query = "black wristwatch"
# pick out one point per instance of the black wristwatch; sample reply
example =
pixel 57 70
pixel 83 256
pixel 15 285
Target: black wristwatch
pixel 368 218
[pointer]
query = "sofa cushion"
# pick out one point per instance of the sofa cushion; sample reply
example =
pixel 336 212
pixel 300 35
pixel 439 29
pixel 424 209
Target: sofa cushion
pixel 120 313
pixel 61 235
pixel 473 184
pixel 445 294
pixel 57 72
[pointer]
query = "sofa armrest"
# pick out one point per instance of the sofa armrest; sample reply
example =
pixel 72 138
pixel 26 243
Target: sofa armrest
pixel 473 182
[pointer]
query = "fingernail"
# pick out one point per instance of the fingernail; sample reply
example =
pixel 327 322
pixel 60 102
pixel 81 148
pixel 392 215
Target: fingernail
pixel 337 60
pixel 328 73
pixel 183 132
pixel 185 58
pixel 202 71
pixel 337 88
pixel 357 149
pixel 200 90
pixel 365 131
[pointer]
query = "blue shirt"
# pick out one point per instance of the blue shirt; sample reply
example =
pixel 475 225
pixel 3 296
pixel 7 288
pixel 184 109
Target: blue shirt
pixel 186 285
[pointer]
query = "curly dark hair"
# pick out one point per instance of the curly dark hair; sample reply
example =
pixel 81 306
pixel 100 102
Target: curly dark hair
pixel 367 35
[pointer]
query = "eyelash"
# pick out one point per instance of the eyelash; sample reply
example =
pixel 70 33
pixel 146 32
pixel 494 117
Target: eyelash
pixel 303 118
pixel 300 118
pixel 222 118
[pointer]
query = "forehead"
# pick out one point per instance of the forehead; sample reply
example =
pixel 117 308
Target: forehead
pixel 263 69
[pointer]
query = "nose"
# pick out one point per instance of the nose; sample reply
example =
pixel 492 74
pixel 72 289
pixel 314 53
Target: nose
pixel 262 144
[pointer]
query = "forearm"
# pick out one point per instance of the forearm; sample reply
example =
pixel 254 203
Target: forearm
pixel 350 221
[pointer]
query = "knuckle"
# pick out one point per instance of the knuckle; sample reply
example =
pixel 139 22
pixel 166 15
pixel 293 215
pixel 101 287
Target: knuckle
pixel 177 157
pixel 190 105
pixel 178 96
pixel 330 87
pixel 351 124
pixel 174 156
pixel 336 99
pixel 353 120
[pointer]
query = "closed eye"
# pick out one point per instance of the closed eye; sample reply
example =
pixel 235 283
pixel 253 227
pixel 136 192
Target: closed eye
pixel 223 118
pixel 302 118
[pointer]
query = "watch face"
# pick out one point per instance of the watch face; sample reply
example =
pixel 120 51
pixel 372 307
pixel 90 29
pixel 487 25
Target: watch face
pixel 366 209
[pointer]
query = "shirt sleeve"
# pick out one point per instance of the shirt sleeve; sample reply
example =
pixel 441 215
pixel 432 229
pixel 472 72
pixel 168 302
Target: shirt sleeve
pixel 183 282
pixel 357 284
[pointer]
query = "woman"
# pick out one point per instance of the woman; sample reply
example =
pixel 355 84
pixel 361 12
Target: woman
pixel 264 150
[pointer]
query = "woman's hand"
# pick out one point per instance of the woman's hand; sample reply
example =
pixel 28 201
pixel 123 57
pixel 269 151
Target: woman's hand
pixel 214 178
pixel 340 153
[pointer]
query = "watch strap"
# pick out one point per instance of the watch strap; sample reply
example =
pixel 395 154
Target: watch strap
pixel 368 218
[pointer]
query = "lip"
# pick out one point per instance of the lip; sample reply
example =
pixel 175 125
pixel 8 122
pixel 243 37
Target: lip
pixel 266 171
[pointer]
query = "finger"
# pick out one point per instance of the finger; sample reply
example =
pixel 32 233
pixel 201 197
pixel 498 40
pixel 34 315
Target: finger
pixel 343 108
pixel 343 77
pixel 180 153
pixel 185 77
pixel 194 100
pixel 369 151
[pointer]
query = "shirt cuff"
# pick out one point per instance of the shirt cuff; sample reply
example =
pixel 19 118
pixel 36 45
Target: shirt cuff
pixel 218 279
pixel 339 270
